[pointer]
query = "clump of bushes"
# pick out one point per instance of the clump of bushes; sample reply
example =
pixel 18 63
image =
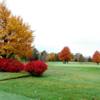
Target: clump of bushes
pixel 33 67
pixel 36 67
pixel 10 65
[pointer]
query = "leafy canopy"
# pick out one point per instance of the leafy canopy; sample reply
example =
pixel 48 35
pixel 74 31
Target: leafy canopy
pixel 15 35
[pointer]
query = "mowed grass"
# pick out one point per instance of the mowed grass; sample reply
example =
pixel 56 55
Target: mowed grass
pixel 73 81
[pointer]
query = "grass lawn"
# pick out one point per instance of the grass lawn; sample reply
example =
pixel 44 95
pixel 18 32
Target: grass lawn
pixel 73 81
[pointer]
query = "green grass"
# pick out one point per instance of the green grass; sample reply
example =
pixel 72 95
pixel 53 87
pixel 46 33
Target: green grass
pixel 73 81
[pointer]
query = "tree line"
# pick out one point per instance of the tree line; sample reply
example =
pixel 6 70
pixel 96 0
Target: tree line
pixel 65 55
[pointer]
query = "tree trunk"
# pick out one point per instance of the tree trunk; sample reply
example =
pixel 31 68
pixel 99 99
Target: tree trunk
pixel 97 63
pixel 4 55
pixel 11 55
pixel 64 62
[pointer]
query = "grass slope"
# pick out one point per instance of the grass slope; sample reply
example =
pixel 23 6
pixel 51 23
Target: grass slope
pixel 11 96
pixel 73 81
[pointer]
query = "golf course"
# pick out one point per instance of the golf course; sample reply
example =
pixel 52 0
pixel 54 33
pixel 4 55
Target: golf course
pixel 72 81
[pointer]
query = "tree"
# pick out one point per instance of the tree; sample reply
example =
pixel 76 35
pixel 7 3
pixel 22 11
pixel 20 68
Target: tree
pixel 51 57
pixel 89 59
pixel 65 55
pixel 76 57
pixel 35 54
pixel 57 57
pixel 81 58
pixel 96 57
pixel 15 36
pixel 43 56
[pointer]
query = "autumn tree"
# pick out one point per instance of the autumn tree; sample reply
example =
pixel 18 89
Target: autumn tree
pixel 96 57
pixel 15 36
pixel 51 57
pixel 57 57
pixel 65 55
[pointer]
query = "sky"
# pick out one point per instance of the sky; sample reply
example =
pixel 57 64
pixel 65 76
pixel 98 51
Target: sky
pixel 59 23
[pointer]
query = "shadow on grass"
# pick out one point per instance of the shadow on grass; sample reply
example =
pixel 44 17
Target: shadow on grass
pixel 12 78
pixel 24 76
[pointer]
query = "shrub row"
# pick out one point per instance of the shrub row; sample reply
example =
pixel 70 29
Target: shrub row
pixel 12 65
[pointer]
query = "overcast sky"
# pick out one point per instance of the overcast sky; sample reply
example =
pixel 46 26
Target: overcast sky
pixel 59 23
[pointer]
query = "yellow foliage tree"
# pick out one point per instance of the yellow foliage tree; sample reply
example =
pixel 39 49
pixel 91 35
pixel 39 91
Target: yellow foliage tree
pixel 15 35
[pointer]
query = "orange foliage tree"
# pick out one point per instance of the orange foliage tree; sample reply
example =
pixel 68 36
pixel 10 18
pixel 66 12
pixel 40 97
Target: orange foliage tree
pixel 96 57
pixel 15 36
pixel 65 55
pixel 51 57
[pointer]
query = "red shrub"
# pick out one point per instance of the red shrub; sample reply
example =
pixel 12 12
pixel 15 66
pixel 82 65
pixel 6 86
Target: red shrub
pixel 36 67
pixel 10 65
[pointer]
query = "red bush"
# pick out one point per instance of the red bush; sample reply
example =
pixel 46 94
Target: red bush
pixel 10 65
pixel 36 67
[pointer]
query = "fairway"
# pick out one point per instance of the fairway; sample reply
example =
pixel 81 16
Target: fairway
pixel 73 81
